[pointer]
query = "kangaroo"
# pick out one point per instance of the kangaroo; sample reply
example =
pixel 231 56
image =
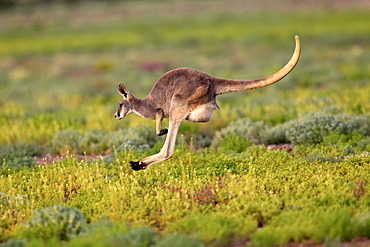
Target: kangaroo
pixel 187 94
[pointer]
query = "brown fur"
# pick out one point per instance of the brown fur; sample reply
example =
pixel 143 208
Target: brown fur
pixel 187 94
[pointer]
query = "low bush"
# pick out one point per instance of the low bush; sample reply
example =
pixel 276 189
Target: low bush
pixel 312 131
pixel 106 233
pixel 54 222
pixel 19 155
pixel 94 142
pixel 178 240
pixel 141 237
pixel 66 141
pixel 359 123
pixel 214 228
pixel 14 243
pixel 318 226
pixel 234 143
pixel 244 127
pixel 312 128
pixel 102 233
pixel 350 143
pixel 137 136
pixel 277 134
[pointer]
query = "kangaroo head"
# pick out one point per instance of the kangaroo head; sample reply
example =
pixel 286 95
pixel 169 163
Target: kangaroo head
pixel 124 106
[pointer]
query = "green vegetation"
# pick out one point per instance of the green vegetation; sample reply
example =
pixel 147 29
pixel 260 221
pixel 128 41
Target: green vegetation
pixel 56 221
pixel 225 186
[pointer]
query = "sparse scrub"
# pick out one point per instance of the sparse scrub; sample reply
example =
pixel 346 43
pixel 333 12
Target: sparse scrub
pixel 58 70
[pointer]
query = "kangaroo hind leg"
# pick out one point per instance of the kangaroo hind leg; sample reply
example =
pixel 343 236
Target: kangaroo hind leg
pixel 165 153
pixel 178 113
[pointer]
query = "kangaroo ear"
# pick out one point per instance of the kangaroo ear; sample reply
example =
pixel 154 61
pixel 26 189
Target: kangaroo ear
pixel 122 90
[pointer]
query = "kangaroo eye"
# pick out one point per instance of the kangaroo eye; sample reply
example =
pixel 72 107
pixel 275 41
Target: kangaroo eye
pixel 120 104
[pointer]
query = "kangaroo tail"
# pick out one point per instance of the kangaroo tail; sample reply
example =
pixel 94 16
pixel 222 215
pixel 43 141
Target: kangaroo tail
pixel 226 86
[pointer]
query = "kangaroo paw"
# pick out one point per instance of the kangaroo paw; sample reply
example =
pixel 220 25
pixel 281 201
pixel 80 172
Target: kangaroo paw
pixel 163 132
pixel 137 165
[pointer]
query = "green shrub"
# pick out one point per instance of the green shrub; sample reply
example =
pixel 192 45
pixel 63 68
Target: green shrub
pixel 94 142
pixel 66 141
pixel 109 234
pixel 14 243
pixel 310 128
pixel 312 131
pixel 244 127
pixel 318 226
pixel 178 240
pixel 349 143
pixel 138 136
pixel 200 140
pixel 234 143
pixel 99 233
pixel 106 233
pixel 359 123
pixel 277 134
pixel 16 156
pixel 54 222
pixel 214 228
pixel 139 237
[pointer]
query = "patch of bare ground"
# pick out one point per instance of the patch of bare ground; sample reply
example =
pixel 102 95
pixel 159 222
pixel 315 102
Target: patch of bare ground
pixel 288 147
pixel 53 158
pixel 357 242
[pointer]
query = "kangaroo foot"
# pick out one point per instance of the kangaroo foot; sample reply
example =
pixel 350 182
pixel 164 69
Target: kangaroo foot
pixel 163 132
pixel 137 165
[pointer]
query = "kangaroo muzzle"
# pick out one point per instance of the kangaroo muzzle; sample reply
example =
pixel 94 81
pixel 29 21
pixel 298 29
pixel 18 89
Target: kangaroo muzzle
pixel 117 116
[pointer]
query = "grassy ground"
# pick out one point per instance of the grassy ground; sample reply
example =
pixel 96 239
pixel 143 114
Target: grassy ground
pixel 59 66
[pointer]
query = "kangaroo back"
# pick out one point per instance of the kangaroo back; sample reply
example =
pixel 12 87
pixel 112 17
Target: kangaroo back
pixel 223 86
